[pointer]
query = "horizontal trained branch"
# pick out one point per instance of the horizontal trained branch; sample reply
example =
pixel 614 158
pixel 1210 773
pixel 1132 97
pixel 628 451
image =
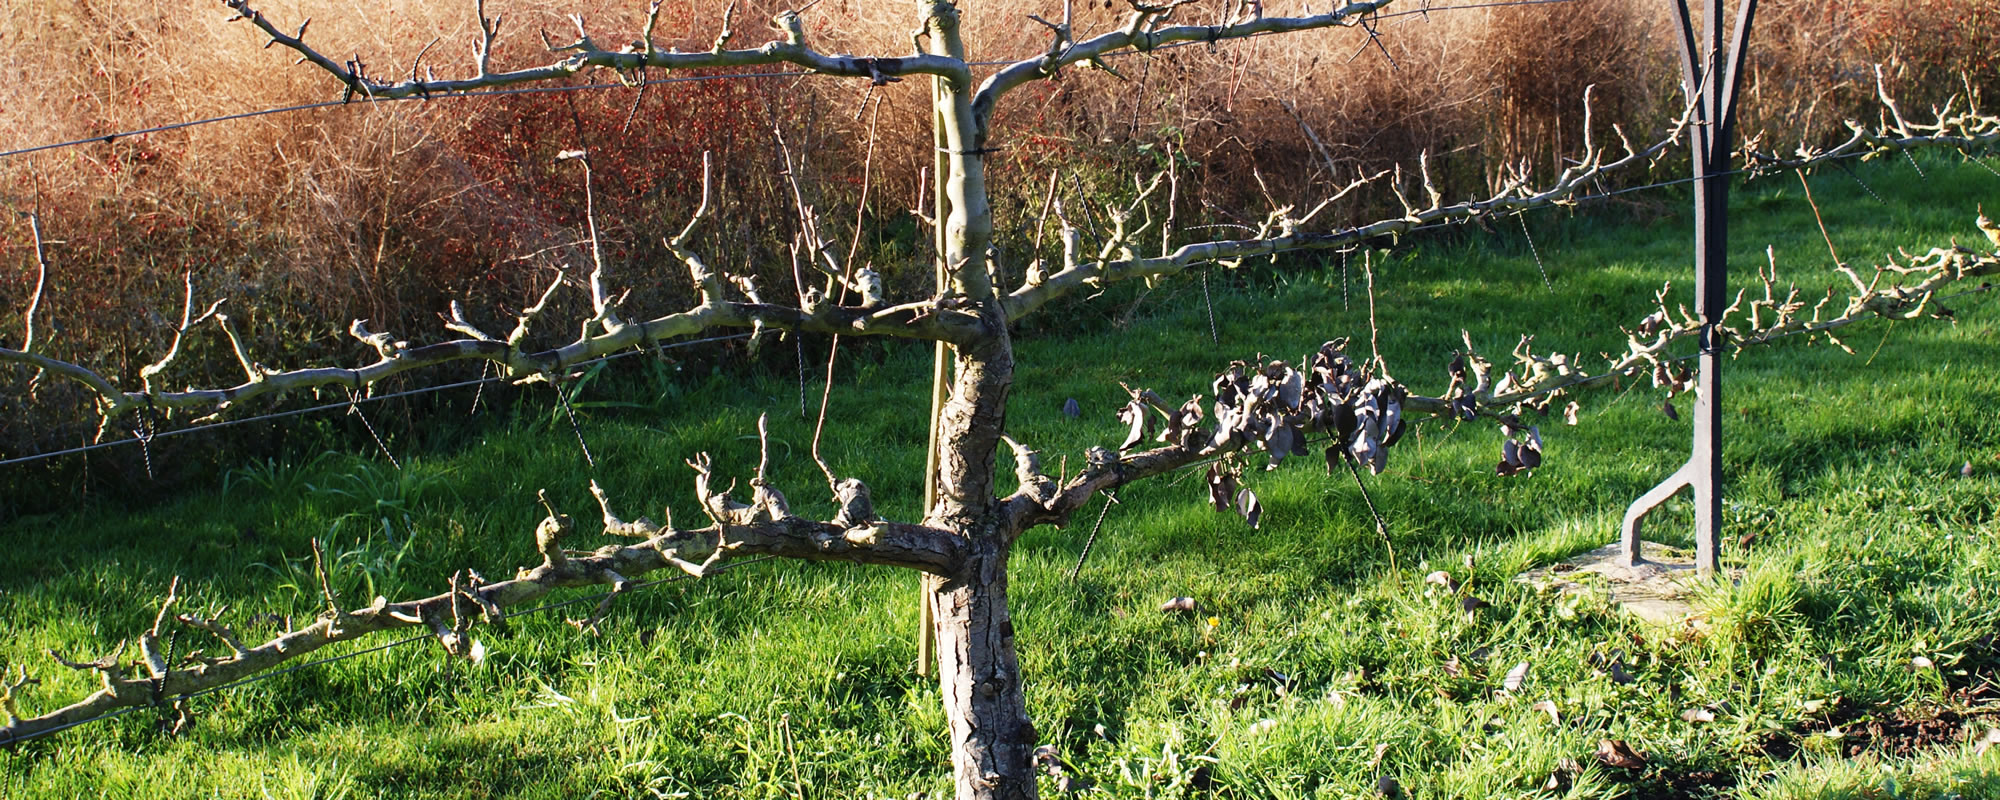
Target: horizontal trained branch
pixel 1968 132
pixel 920 320
pixel 1282 231
pixel 584 54
pixel 725 301
pixel 763 527
pixel 1274 406
pixel 1145 28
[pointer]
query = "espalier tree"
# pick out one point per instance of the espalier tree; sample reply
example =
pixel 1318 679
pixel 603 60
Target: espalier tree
pixel 1255 415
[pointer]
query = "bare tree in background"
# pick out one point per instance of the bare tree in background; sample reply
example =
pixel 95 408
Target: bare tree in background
pixel 964 539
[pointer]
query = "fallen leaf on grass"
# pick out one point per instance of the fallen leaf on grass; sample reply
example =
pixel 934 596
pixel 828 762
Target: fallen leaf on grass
pixel 1186 604
pixel 1472 604
pixel 1516 677
pixel 1698 715
pixel 1991 738
pixel 1549 707
pixel 1559 778
pixel 1616 753
pixel 1280 682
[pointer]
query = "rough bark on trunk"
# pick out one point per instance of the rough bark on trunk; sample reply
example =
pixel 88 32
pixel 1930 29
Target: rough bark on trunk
pixel 993 741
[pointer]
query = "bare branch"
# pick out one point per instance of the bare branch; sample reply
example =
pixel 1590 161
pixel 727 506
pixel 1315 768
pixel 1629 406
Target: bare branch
pixel 600 297
pixel 214 626
pixel 252 371
pixel 8 696
pixel 1970 132
pixel 1142 33
pixel 819 251
pixel 1647 346
pixel 41 283
pixel 937 319
pixel 1281 232
pixel 1275 406
pixel 865 540
pixel 585 54
pixel 457 323
pixel 482 51
pixel 528 315
pixel 147 372
pixel 646 33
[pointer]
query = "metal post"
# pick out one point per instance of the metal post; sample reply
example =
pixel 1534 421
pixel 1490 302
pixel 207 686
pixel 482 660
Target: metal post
pixel 1711 86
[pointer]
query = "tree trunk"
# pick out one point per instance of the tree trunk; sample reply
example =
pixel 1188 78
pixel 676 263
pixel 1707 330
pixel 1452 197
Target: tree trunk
pixel 992 739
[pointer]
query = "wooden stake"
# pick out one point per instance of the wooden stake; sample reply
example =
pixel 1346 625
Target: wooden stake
pixel 926 583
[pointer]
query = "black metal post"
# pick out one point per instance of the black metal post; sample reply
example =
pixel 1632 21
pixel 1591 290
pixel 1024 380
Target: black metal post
pixel 1711 83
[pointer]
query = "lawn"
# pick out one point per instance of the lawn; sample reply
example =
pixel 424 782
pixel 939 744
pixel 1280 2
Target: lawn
pixel 1855 657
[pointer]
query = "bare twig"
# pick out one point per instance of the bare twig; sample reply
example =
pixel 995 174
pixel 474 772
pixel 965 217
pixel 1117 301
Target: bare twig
pixel 1821 221
pixel 41 284
pixel 600 297
pixel 147 372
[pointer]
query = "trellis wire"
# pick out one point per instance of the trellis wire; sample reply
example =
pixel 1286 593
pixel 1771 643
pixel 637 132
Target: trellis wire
pixel 111 137
pixel 1985 166
pixel 343 404
pixel 1091 541
pixel 1864 184
pixel 1535 251
pixel 1214 335
pixel 484 368
pixel 563 397
pixel 353 407
pixel 1913 165
pixel 1343 281
pixel 143 434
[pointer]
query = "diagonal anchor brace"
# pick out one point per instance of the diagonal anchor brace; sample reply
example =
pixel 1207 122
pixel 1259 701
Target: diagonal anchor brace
pixel 1635 514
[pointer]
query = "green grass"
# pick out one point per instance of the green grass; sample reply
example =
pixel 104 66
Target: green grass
pixel 788 680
